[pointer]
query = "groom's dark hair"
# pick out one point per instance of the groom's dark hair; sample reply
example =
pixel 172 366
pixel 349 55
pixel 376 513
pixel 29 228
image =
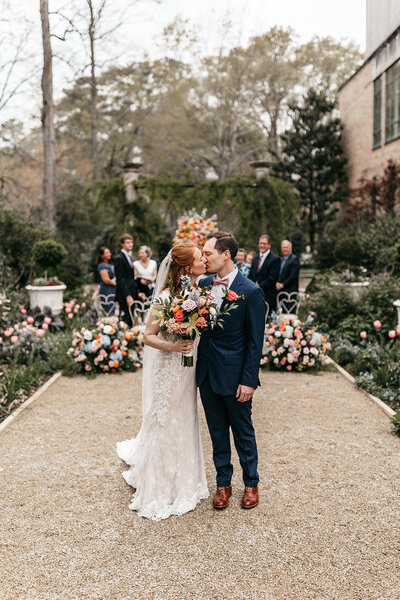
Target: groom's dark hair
pixel 224 241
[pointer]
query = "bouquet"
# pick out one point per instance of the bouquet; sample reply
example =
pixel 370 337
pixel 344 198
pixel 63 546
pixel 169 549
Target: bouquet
pixel 188 314
pixel 293 345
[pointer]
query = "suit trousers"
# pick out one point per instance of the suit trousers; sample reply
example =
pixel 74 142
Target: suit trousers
pixel 125 314
pixel 223 413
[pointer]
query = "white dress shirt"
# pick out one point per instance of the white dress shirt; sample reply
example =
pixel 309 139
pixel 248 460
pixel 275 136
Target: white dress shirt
pixel 128 256
pixel 263 257
pixel 218 291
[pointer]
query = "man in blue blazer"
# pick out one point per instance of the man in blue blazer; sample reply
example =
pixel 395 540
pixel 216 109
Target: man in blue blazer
pixel 228 362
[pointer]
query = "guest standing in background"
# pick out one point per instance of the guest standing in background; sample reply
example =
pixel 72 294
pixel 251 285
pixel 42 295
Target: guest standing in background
pixel 240 262
pixel 126 291
pixel 249 257
pixel 289 274
pixel 265 270
pixel 145 272
pixel 107 280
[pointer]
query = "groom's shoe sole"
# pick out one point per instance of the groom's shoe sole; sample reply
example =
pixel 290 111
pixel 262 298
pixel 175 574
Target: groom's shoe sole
pixel 223 494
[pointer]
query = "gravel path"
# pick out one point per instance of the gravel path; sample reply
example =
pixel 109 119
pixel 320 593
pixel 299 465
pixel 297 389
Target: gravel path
pixel 327 526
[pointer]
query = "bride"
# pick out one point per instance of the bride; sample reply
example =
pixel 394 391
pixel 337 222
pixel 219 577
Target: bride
pixel 166 460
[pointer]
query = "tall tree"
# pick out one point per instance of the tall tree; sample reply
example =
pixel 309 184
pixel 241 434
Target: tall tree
pixel 49 138
pixel 313 159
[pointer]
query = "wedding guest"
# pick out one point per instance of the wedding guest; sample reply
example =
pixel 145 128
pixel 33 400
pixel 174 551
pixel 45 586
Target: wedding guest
pixel 107 280
pixel 126 290
pixel 249 257
pixel 145 272
pixel 265 270
pixel 240 262
pixel 289 273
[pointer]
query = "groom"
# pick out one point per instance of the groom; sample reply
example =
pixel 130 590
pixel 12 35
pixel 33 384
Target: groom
pixel 228 361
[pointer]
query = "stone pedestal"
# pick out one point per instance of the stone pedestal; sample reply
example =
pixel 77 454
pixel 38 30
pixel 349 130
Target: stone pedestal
pixel 131 175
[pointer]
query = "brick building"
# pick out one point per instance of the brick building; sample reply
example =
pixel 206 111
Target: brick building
pixel 369 102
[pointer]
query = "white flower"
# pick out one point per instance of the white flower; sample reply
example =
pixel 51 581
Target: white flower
pixel 107 329
pixel 274 353
pixel 213 312
pixel 289 332
pixel 88 335
pixel 289 358
pixel 276 361
pixel 278 334
pixel 286 342
pixel 314 351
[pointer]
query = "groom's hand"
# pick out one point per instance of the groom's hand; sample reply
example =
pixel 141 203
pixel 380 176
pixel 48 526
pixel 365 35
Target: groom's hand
pixel 244 393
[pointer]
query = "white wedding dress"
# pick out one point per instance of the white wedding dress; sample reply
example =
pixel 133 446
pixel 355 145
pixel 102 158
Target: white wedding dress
pixel 166 459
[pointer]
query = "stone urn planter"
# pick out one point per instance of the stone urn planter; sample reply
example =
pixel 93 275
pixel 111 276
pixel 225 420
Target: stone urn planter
pixel 46 295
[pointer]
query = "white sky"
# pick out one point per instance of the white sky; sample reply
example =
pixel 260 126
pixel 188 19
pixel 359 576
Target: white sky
pixel 341 19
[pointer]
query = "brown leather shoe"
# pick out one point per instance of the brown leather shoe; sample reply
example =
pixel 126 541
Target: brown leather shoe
pixel 250 497
pixel 221 498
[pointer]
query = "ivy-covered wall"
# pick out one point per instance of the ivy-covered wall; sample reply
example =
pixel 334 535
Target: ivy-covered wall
pixel 244 205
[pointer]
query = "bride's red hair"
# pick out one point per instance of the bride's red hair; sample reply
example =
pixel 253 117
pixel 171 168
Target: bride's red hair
pixel 182 256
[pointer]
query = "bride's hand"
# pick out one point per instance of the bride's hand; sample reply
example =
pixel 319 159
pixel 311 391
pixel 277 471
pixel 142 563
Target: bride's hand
pixel 184 346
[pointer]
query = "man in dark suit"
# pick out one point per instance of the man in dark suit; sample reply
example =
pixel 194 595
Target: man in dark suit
pixel 227 368
pixel 265 270
pixel 125 292
pixel 289 274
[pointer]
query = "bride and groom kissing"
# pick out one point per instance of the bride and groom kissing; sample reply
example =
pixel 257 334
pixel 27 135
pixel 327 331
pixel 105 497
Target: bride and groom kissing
pixel 166 459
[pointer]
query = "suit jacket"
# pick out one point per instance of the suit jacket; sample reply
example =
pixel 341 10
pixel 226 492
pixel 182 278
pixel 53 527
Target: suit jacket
pixel 232 355
pixel 289 275
pixel 126 284
pixel 267 276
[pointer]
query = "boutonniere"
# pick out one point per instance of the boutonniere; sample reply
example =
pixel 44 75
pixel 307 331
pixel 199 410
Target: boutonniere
pixel 232 296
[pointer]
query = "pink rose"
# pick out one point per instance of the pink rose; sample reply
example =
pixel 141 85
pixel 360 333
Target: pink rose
pixel 312 342
pixel 111 363
pixel 47 320
pixel 363 334
pixel 289 367
pixel 14 339
pixel 88 368
pixel 377 324
pixel 45 326
pixel 391 334
pixel 83 305
pixel 40 332
pixel 70 316
pixel 8 332
pixel 23 311
pixel 312 314
pixel 189 305
pixel 30 320
pixel 24 323
pixel 303 343
pixel 306 351
pixel 398 329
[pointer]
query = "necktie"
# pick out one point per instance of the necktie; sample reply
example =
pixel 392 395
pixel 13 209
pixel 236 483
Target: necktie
pixel 283 263
pixel 260 261
pixel 224 282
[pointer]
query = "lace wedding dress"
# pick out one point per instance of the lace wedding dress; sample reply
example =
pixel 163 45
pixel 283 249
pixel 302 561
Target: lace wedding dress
pixel 166 459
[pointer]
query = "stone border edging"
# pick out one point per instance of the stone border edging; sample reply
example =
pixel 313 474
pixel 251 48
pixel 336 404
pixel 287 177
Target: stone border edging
pixel 28 402
pixel 386 409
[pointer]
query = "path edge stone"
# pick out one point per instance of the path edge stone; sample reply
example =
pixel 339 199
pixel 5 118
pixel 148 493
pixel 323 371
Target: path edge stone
pixel 382 405
pixel 28 402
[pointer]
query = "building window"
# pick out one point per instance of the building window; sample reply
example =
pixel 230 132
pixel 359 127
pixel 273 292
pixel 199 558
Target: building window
pixel 378 112
pixel 393 102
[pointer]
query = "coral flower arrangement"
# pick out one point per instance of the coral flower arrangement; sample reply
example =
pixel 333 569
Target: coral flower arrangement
pixel 194 227
pixel 293 345
pixel 109 348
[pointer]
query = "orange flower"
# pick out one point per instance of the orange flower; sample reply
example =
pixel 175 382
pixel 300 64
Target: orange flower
pixel 202 323
pixel 231 296
pixel 179 316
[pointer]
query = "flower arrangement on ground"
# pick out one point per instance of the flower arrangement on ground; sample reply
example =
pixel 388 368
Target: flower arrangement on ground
pixel 293 345
pixel 108 348
pixel 194 227
pixel 187 315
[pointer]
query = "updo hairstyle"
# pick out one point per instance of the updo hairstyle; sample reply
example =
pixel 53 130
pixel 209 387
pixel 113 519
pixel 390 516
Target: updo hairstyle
pixel 182 256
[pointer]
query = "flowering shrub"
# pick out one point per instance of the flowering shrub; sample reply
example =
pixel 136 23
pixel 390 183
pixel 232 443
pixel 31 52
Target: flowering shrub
pixel 72 310
pixel 108 348
pixel 194 228
pixel 293 345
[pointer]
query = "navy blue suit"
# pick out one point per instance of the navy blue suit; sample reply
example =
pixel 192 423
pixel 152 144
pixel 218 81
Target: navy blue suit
pixel 226 358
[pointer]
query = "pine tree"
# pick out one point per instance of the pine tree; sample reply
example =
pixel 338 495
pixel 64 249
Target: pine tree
pixel 313 160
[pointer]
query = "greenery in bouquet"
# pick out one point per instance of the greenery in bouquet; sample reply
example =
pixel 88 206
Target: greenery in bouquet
pixel 185 315
pixel 108 348
pixel 194 227
pixel 293 345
